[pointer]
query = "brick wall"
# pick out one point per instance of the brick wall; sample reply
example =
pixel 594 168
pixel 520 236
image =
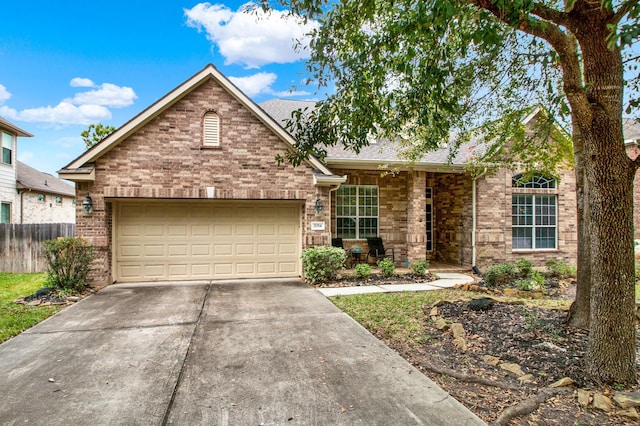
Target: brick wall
pixel 634 151
pixel 165 159
pixel 494 220
pixel 46 211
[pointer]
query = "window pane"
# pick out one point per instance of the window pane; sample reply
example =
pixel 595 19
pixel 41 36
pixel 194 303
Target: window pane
pixel 5 213
pixel 6 156
pixel 7 140
pixel 346 228
pixel 368 227
pixel 545 238
pixel 521 238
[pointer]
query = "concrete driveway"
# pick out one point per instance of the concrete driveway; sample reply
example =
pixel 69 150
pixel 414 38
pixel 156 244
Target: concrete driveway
pixel 243 353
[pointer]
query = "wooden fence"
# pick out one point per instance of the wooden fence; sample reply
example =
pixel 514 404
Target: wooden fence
pixel 21 245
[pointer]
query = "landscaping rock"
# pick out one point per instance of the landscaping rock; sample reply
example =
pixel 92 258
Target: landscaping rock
pixel 35 302
pixel 564 382
pixel 630 412
pixel 491 360
pixel 627 399
pixel 459 336
pixel 433 312
pixel 527 378
pixel 602 403
pixel 584 398
pixel 441 324
pixel 510 292
pixel 550 346
pixel 512 368
pixel 482 304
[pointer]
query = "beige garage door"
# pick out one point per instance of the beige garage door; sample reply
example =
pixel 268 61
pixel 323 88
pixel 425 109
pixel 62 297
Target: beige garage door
pixel 205 240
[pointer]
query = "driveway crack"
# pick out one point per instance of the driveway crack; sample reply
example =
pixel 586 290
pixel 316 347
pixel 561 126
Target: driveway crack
pixel 186 356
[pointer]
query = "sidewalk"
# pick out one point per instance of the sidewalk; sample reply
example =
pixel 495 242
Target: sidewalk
pixel 445 280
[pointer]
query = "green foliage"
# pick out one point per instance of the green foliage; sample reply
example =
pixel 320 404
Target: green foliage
pixel 499 274
pixel 533 283
pixel 387 267
pixel 637 271
pixel 68 262
pixel 16 318
pixel 322 263
pixel 525 266
pixel 363 270
pixel 558 268
pixel 420 267
pixel 95 133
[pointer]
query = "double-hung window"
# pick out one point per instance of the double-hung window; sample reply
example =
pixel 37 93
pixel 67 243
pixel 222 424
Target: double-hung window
pixel 7 147
pixel 534 217
pixel 357 211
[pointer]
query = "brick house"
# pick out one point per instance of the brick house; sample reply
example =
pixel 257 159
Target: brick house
pixel 190 189
pixel 26 194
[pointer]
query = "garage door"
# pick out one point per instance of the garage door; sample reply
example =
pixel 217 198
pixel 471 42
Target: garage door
pixel 205 240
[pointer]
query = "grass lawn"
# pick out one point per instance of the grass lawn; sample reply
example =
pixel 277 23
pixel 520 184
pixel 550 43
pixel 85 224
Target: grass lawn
pixel 399 317
pixel 15 318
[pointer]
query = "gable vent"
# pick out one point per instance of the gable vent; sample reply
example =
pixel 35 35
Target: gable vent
pixel 211 135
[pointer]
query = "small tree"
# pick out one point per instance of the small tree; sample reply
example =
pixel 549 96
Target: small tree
pixel 95 133
pixel 68 262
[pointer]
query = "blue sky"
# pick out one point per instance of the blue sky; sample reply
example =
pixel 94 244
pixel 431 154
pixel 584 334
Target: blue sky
pixel 70 63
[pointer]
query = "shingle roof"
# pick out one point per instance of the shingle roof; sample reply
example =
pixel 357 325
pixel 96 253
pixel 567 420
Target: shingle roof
pixel 631 130
pixel 30 178
pixel 382 151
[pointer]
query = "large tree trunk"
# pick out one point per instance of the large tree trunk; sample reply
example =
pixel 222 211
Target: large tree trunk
pixel 611 349
pixel 580 308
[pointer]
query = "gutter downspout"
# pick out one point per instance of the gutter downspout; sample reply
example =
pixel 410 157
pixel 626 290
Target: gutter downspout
pixel 474 211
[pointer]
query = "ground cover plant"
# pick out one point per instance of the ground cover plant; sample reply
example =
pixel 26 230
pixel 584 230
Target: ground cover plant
pixel 14 317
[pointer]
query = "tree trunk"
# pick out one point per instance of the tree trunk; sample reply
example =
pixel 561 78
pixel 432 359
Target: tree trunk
pixel 579 312
pixel 611 348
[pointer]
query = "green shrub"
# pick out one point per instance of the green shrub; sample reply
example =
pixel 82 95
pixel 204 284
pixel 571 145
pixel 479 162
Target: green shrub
pixel 322 263
pixel 363 270
pixel 420 267
pixel 637 271
pixel 525 266
pixel 68 262
pixel 558 268
pixel 387 267
pixel 533 283
pixel 499 274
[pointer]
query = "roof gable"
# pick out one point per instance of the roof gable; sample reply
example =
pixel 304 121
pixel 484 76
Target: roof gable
pixel 79 165
pixel 4 124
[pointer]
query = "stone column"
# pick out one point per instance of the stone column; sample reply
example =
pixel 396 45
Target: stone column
pixel 416 231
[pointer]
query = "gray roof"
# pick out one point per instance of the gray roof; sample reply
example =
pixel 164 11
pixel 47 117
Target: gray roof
pixel 381 151
pixel 631 130
pixel 30 178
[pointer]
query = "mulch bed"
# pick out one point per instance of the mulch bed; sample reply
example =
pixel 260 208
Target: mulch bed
pixel 48 296
pixel 349 280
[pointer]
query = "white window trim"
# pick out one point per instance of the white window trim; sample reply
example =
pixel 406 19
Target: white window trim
pixel 533 226
pixel 357 216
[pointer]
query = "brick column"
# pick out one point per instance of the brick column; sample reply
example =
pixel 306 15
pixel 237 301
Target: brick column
pixel 416 231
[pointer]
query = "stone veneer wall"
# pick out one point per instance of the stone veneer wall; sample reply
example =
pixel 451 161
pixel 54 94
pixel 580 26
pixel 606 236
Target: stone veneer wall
pixel 165 159
pixel 493 239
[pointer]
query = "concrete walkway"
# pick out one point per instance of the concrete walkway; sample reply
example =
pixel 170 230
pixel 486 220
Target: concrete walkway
pixel 240 353
pixel 445 280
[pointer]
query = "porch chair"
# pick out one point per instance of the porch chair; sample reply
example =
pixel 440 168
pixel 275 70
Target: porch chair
pixel 377 250
pixel 337 242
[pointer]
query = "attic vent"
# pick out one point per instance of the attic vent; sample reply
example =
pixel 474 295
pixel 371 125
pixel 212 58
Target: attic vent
pixel 211 130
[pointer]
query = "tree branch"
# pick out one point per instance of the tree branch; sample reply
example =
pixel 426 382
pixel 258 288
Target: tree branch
pixel 549 14
pixel 622 11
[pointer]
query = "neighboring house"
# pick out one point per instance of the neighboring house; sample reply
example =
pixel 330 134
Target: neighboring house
pixel 631 129
pixel 27 195
pixel 43 198
pixel 8 170
pixel 190 189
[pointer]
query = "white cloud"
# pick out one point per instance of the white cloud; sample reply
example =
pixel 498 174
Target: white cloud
pixel 81 82
pixel 253 39
pixel 108 95
pixel 63 113
pixel 4 94
pixel 260 83
pixel 84 108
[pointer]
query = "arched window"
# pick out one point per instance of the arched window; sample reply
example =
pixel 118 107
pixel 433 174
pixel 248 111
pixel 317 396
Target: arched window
pixel 211 129
pixel 535 182
pixel 534 217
